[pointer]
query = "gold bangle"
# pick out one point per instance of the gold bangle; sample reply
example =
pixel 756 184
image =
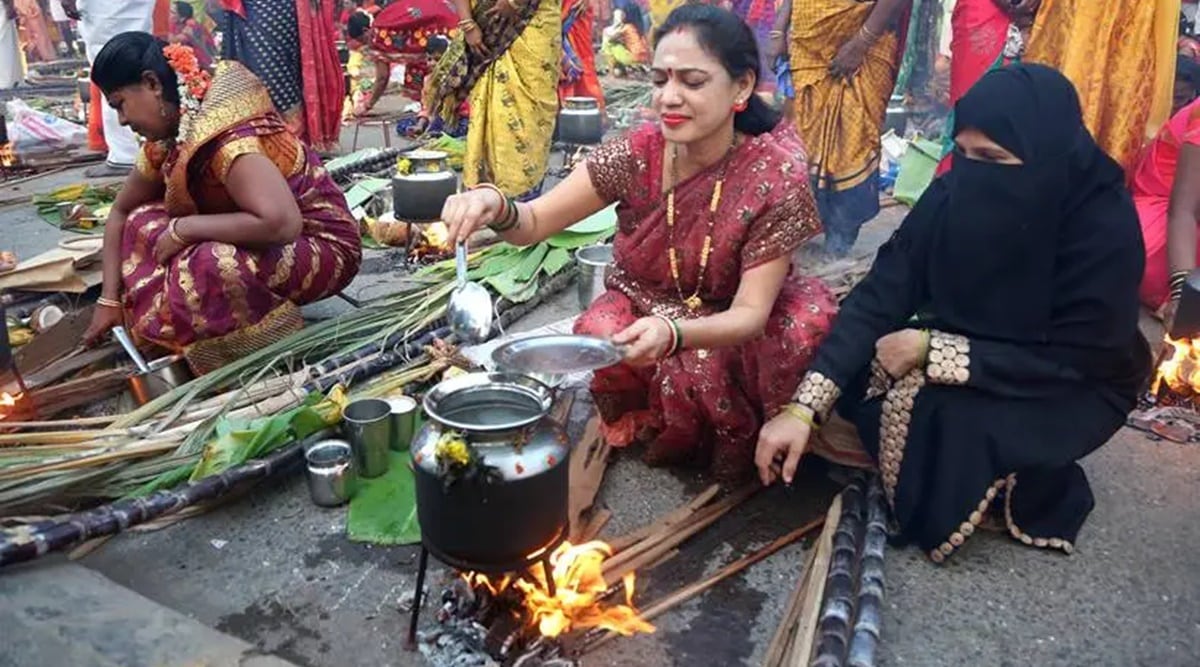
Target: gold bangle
pixel 775 33
pixel 800 413
pixel 870 35
pixel 925 338
pixel 171 231
pixel 108 303
pixel 503 201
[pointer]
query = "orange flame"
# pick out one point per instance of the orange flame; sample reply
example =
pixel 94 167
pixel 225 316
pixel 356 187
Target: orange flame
pixel 1180 370
pixel 7 157
pixel 7 401
pixel 577 603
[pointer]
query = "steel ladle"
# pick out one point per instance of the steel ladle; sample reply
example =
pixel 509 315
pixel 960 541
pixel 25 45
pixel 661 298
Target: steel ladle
pixel 470 310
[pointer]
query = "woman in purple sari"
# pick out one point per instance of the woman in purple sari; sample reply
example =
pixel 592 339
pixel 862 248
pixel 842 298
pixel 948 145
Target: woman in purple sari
pixel 228 224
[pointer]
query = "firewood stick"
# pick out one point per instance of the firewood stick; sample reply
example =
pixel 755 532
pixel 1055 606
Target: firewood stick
pixel 681 519
pixel 676 515
pixel 594 525
pixel 692 590
pixel 703 520
pixel 810 607
pixel 781 643
pixel 666 557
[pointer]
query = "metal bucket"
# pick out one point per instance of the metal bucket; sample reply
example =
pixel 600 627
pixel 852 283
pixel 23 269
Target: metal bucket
pixel 593 269
pixel 165 375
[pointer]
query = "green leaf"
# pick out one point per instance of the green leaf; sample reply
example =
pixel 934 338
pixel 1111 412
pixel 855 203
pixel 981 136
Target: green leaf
pixel 525 293
pixel 572 241
pixel 500 262
pixel 604 220
pixel 531 263
pixel 555 261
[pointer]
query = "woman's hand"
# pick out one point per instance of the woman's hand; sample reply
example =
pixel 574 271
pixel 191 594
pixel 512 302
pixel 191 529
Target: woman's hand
pixel 850 57
pixel 505 10
pixel 781 444
pixel 474 38
pixel 648 340
pixel 418 128
pixel 901 351
pixel 472 210
pixel 1166 313
pixel 165 248
pixel 103 319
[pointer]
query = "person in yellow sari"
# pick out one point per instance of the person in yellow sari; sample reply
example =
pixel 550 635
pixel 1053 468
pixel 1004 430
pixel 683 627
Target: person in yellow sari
pixel 1121 58
pixel 844 57
pixel 505 63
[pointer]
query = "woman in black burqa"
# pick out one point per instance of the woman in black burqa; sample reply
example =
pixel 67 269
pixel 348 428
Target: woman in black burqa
pixel 994 342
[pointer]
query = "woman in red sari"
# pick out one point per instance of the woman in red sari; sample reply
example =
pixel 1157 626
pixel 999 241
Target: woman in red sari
pixel 579 78
pixel 186 30
pixel 228 224
pixel 711 203
pixel 405 32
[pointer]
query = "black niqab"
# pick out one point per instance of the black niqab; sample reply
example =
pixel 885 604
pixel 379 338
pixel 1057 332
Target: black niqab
pixel 1004 232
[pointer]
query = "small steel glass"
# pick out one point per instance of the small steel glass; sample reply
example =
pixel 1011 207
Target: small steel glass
pixel 331 475
pixel 404 421
pixel 367 423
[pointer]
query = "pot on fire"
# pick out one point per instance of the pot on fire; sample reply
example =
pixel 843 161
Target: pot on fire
pixel 580 121
pixel 491 469
pixel 423 182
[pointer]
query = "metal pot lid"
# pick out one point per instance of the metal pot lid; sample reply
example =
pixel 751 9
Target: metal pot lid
pixel 488 402
pixel 557 354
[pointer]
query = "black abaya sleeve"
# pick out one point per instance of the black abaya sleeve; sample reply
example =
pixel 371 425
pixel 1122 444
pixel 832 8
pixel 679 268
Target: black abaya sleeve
pixel 883 302
pixel 1004 369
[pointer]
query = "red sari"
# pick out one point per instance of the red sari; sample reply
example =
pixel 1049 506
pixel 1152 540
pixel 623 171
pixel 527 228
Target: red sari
pixel 705 406
pixel 578 77
pixel 216 302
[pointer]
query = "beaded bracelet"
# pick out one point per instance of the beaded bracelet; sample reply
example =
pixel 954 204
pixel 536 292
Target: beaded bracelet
pixel 800 413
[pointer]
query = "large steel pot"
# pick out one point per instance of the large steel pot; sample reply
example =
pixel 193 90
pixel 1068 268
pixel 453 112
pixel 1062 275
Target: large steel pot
pixel 580 121
pixel 419 194
pixel 501 521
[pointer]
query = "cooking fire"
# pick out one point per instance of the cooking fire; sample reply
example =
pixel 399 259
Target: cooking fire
pixel 528 619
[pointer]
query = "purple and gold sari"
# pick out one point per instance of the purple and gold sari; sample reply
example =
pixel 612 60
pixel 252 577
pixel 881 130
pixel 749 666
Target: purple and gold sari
pixel 216 302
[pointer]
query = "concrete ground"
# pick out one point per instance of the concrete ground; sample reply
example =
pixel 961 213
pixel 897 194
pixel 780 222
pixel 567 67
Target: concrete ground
pixel 272 570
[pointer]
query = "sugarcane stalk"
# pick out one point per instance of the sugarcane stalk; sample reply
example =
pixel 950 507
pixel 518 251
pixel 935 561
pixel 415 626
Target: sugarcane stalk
pixel 799 649
pixel 864 642
pixel 837 610
pixel 36 540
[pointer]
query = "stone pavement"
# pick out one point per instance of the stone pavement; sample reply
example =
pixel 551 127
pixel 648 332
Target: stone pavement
pixel 272 570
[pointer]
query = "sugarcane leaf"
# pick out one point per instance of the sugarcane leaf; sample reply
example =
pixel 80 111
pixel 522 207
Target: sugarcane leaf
pixel 555 260
pixel 572 241
pixel 531 263
pixel 604 220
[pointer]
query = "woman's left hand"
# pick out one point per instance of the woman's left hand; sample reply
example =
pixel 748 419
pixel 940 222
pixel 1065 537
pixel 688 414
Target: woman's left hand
pixel 901 351
pixel 849 58
pixel 165 248
pixel 649 339
pixel 504 9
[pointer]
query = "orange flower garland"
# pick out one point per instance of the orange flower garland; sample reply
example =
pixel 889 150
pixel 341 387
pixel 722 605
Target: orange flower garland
pixel 193 82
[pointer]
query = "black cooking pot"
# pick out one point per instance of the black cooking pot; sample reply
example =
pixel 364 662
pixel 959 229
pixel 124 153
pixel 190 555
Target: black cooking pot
pixel 504 519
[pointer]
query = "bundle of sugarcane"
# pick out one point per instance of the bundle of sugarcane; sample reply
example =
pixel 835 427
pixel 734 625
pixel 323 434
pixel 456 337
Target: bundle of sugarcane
pixel 162 443
pixel 29 541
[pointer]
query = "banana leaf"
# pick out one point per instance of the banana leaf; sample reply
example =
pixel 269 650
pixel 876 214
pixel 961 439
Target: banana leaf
pixel 556 260
pixel 572 241
pixel 602 221
pixel 531 263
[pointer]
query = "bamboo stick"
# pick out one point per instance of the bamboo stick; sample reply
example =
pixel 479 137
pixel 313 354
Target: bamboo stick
pixel 670 518
pixel 781 642
pixel 692 590
pixel 814 593
pixel 632 560
pixel 595 524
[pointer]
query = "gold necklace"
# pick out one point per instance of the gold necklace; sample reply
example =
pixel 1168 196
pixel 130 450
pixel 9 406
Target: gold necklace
pixel 694 301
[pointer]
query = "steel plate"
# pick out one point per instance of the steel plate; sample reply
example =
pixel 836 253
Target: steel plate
pixel 556 354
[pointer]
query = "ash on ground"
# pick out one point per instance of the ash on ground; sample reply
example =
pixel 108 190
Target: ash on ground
pixel 476 628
